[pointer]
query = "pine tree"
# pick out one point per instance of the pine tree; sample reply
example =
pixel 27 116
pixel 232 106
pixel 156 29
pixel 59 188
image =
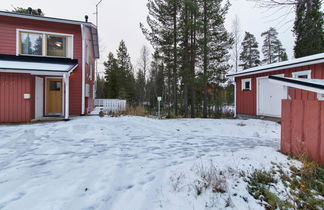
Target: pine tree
pixel 214 43
pixel 163 35
pixel 250 55
pixel 280 52
pixel 272 47
pixel 308 28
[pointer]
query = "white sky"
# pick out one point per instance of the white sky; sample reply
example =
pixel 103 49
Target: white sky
pixel 119 19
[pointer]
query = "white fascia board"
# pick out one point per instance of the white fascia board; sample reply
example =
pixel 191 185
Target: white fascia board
pixel 47 19
pixel 309 60
pixel 45 73
pixel 302 87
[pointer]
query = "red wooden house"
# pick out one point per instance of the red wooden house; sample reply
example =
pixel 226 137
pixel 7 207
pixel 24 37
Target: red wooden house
pixel 47 67
pixel 256 95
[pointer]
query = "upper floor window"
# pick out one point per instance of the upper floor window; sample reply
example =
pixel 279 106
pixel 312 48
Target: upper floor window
pixel 31 44
pixel 45 44
pixel 56 46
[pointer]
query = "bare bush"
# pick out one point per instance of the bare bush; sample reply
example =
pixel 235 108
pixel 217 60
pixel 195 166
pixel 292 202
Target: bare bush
pixel 177 182
pixel 211 178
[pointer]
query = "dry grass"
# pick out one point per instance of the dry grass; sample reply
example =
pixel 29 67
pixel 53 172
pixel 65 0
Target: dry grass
pixel 135 111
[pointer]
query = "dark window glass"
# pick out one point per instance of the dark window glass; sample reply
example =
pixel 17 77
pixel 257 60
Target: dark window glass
pixel 31 43
pixel 55 86
pixel 56 46
pixel 247 85
pixel 303 76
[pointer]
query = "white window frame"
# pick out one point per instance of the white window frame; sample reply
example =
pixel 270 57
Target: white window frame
pixel 320 96
pixel 243 84
pixel 308 73
pixel 70 42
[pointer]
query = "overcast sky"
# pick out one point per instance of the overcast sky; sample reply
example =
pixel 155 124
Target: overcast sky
pixel 119 19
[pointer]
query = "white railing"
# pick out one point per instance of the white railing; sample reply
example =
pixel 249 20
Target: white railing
pixel 111 105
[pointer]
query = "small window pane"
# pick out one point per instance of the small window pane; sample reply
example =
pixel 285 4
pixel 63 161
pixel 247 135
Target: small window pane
pixel 305 76
pixel 55 86
pixel 247 85
pixel 56 46
pixel 31 44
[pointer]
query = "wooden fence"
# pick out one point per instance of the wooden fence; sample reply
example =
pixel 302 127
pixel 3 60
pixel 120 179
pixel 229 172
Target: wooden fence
pixel 111 105
pixel 302 130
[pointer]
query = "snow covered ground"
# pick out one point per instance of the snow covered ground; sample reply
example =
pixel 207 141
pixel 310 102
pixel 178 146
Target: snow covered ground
pixel 129 163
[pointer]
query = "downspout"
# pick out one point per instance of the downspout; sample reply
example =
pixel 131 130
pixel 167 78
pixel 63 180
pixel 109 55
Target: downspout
pixel 235 107
pixel 83 69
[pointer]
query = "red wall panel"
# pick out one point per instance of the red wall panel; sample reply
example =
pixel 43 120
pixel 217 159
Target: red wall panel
pixel 13 106
pixel 302 130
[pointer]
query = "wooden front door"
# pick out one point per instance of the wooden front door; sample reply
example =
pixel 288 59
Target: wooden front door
pixel 54 97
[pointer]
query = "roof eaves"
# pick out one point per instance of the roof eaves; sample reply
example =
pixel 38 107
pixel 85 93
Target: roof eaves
pixel 277 66
pixel 44 18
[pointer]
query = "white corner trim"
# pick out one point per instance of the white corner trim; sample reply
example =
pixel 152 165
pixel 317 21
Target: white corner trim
pixel 300 73
pixel 83 70
pixel 243 83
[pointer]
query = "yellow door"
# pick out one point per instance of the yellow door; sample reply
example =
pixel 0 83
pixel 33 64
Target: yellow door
pixel 54 97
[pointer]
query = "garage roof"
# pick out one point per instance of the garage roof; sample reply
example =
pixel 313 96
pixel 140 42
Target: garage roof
pixel 36 65
pixel 315 85
pixel 308 60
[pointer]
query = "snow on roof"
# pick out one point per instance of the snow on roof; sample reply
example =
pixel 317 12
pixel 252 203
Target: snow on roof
pixel 315 85
pixel 36 67
pixel 308 60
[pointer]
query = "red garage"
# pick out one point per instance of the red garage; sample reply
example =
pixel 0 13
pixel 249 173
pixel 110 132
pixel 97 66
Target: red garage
pixel 255 95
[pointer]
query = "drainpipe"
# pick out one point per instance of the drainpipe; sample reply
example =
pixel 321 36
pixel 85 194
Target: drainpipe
pixel 83 69
pixel 66 78
pixel 235 107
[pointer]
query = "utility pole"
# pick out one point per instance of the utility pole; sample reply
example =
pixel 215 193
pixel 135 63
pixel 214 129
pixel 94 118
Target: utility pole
pixel 96 62
pixel 97 13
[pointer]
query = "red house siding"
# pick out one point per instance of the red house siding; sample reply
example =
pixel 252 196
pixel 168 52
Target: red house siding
pixel 246 101
pixel 13 106
pixel 8 29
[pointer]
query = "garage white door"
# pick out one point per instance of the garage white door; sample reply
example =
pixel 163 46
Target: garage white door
pixel 269 97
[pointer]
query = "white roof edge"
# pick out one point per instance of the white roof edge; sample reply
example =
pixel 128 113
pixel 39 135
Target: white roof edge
pixel 300 86
pixel 48 19
pixel 308 60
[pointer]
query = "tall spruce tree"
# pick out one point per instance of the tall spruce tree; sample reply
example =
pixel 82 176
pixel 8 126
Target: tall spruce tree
pixel 126 68
pixel 309 28
pixel 250 55
pixel 272 47
pixel 120 81
pixel 113 77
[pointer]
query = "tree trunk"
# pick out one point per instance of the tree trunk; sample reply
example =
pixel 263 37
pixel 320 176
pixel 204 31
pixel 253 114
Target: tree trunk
pixel 175 98
pixel 205 63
